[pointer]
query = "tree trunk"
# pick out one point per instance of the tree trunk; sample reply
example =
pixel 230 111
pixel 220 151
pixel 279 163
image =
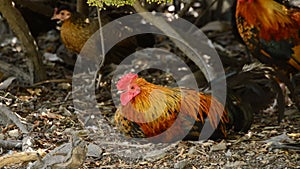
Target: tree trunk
pixel 82 7
pixel 20 28
pixel 36 6
pixel 161 24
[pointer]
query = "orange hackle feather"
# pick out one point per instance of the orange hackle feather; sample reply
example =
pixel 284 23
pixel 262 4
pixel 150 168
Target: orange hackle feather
pixel 272 18
pixel 155 109
pixel 269 20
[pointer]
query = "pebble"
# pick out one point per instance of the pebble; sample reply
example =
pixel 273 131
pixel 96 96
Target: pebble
pixel 13 133
pixel 218 147
pixel 192 150
pixel 181 164
pixel 228 153
pixel 1 136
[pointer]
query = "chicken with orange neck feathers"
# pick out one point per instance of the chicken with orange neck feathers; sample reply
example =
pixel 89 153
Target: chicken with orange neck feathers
pixel 148 110
pixel 271 31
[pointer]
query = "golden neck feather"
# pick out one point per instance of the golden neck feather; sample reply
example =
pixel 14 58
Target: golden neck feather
pixel 267 13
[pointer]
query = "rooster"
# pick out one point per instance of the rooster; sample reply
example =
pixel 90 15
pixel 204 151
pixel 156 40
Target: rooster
pixel 148 110
pixel 271 31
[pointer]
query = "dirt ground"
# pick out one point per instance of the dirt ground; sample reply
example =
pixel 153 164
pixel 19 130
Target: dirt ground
pixel 47 110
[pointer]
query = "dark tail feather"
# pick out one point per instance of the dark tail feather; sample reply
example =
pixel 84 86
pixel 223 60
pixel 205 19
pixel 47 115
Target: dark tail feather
pixel 240 112
pixel 257 86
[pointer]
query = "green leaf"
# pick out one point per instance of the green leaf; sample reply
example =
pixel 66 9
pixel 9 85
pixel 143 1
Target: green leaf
pixel 118 3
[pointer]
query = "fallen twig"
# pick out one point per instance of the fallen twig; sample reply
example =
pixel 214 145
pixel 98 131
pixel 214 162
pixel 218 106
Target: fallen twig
pixel 20 157
pixel 10 144
pixel 4 110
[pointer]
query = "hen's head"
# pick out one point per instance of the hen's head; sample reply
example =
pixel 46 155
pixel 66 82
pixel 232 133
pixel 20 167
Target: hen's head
pixel 129 88
pixel 62 13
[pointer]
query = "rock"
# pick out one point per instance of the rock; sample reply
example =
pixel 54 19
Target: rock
pixel 181 164
pixel 192 150
pixel 13 133
pixel 218 147
pixel 94 150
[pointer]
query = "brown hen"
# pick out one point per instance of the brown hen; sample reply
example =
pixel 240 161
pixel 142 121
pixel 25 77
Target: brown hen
pixel 76 30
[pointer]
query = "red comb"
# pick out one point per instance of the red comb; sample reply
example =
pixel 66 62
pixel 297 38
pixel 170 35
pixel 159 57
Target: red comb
pixel 126 80
pixel 55 10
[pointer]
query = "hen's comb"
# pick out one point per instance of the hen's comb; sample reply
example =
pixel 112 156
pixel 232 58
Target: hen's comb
pixel 126 80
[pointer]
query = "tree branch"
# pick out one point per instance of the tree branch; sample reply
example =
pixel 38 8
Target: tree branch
pixel 20 28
